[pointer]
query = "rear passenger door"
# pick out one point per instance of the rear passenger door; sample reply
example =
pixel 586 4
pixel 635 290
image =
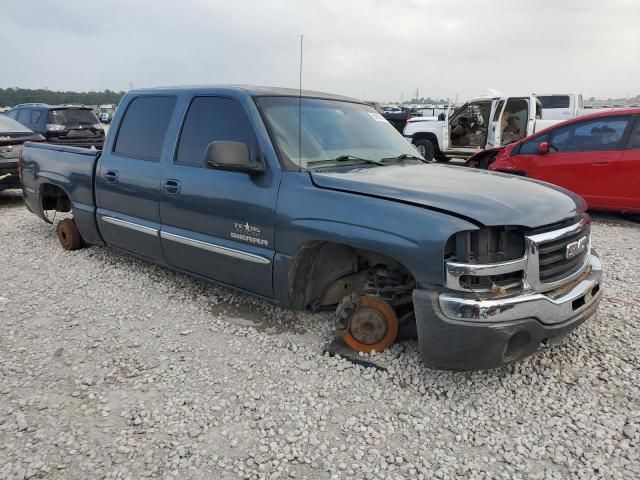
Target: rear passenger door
pixel 215 223
pixel 128 178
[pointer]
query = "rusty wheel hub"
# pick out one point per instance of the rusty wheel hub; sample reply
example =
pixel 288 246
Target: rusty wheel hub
pixel 368 325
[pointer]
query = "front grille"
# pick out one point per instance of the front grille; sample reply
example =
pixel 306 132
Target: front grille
pixel 553 263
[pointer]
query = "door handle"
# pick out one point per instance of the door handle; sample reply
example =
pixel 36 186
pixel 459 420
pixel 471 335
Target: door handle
pixel 171 187
pixel 601 162
pixel 111 176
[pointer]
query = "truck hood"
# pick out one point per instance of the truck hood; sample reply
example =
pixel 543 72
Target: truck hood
pixel 483 197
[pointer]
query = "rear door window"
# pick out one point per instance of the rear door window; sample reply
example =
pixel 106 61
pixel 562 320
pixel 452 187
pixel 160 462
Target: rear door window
pixel 35 116
pixel 634 138
pixel 211 119
pixel 24 116
pixel 144 127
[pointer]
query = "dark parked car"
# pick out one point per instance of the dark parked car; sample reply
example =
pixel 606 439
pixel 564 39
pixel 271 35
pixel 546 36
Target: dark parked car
pixel 72 125
pixel 12 136
pixel 398 116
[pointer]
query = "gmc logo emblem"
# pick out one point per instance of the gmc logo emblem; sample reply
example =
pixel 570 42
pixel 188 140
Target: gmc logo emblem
pixel 576 248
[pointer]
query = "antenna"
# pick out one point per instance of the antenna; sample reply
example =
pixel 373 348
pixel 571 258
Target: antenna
pixel 300 110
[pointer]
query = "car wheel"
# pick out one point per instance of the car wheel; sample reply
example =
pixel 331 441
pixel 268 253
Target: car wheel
pixel 69 235
pixel 426 148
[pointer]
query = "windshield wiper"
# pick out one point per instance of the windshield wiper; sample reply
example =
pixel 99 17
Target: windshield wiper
pixel 344 158
pixel 404 156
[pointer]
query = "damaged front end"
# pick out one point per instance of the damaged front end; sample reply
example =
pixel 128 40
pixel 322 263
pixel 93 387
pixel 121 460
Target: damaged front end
pixel 507 291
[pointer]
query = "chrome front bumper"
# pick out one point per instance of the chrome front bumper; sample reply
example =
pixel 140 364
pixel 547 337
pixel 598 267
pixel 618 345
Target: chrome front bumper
pixel 551 307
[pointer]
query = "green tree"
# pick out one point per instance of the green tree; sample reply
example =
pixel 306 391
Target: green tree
pixel 14 96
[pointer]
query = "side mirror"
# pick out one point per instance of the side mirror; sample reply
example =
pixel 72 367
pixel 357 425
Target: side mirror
pixel 232 157
pixel 543 148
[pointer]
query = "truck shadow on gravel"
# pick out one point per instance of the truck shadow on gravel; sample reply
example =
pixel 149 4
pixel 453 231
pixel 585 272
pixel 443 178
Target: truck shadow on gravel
pixel 233 306
pixel 10 198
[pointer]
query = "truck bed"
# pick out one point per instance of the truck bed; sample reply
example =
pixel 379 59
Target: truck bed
pixel 68 168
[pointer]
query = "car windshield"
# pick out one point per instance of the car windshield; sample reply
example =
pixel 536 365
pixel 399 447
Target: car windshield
pixel 8 125
pixel 72 116
pixel 332 133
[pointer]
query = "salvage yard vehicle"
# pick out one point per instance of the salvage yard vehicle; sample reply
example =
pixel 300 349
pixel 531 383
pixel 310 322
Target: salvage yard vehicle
pixel 12 136
pixel 476 125
pixel 316 201
pixel 106 112
pixel 596 156
pixel 72 125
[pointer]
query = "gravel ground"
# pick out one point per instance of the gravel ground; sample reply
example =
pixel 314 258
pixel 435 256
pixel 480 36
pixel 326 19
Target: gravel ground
pixel 114 368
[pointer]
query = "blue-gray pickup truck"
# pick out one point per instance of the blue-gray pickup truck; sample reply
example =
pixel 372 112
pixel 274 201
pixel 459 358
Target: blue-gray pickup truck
pixel 315 201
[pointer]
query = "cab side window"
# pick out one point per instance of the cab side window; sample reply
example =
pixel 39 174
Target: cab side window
pixel 211 119
pixel 144 126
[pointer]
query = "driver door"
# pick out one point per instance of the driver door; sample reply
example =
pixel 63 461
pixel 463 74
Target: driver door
pixel 446 141
pixel 493 135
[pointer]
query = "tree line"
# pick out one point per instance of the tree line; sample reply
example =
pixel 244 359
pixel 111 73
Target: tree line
pixel 13 96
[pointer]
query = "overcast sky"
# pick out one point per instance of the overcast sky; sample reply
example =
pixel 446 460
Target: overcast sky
pixel 372 49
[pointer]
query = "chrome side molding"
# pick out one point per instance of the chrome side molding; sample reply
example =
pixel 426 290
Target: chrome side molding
pixel 130 225
pixel 210 247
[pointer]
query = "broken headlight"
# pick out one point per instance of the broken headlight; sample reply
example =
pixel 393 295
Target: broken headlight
pixel 485 259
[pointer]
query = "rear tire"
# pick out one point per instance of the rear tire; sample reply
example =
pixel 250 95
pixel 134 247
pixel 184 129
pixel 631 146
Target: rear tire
pixel 426 148
pixel 69 235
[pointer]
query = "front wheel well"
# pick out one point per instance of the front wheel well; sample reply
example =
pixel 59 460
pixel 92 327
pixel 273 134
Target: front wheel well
pixel 322 273
pixel 54 198
pixel 427 136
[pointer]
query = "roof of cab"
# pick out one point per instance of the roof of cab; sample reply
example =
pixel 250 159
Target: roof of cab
pixel 254 91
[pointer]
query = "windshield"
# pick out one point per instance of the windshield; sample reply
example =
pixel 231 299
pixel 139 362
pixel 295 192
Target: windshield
pixel 69 117
pixel 332 132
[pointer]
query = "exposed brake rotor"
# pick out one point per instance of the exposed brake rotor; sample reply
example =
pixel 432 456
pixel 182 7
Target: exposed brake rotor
pixel 366 323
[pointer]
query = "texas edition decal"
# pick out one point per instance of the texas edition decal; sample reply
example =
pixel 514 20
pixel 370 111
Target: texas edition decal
pixel 248 233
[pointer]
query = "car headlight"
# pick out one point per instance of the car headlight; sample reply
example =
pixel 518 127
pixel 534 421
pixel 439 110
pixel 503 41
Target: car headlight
pixel 54 127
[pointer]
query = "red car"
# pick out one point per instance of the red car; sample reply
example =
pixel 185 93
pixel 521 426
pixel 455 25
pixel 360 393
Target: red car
pixel 596 156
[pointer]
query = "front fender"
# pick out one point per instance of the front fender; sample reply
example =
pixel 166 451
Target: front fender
pixel 415 127
pixel 411 235
pixel 483 158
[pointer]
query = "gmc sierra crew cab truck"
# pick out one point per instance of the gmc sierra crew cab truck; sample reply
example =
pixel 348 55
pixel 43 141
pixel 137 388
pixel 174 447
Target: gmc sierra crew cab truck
pixel 316 201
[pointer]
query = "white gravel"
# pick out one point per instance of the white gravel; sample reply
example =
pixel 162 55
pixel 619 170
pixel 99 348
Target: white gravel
pixel 114 368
